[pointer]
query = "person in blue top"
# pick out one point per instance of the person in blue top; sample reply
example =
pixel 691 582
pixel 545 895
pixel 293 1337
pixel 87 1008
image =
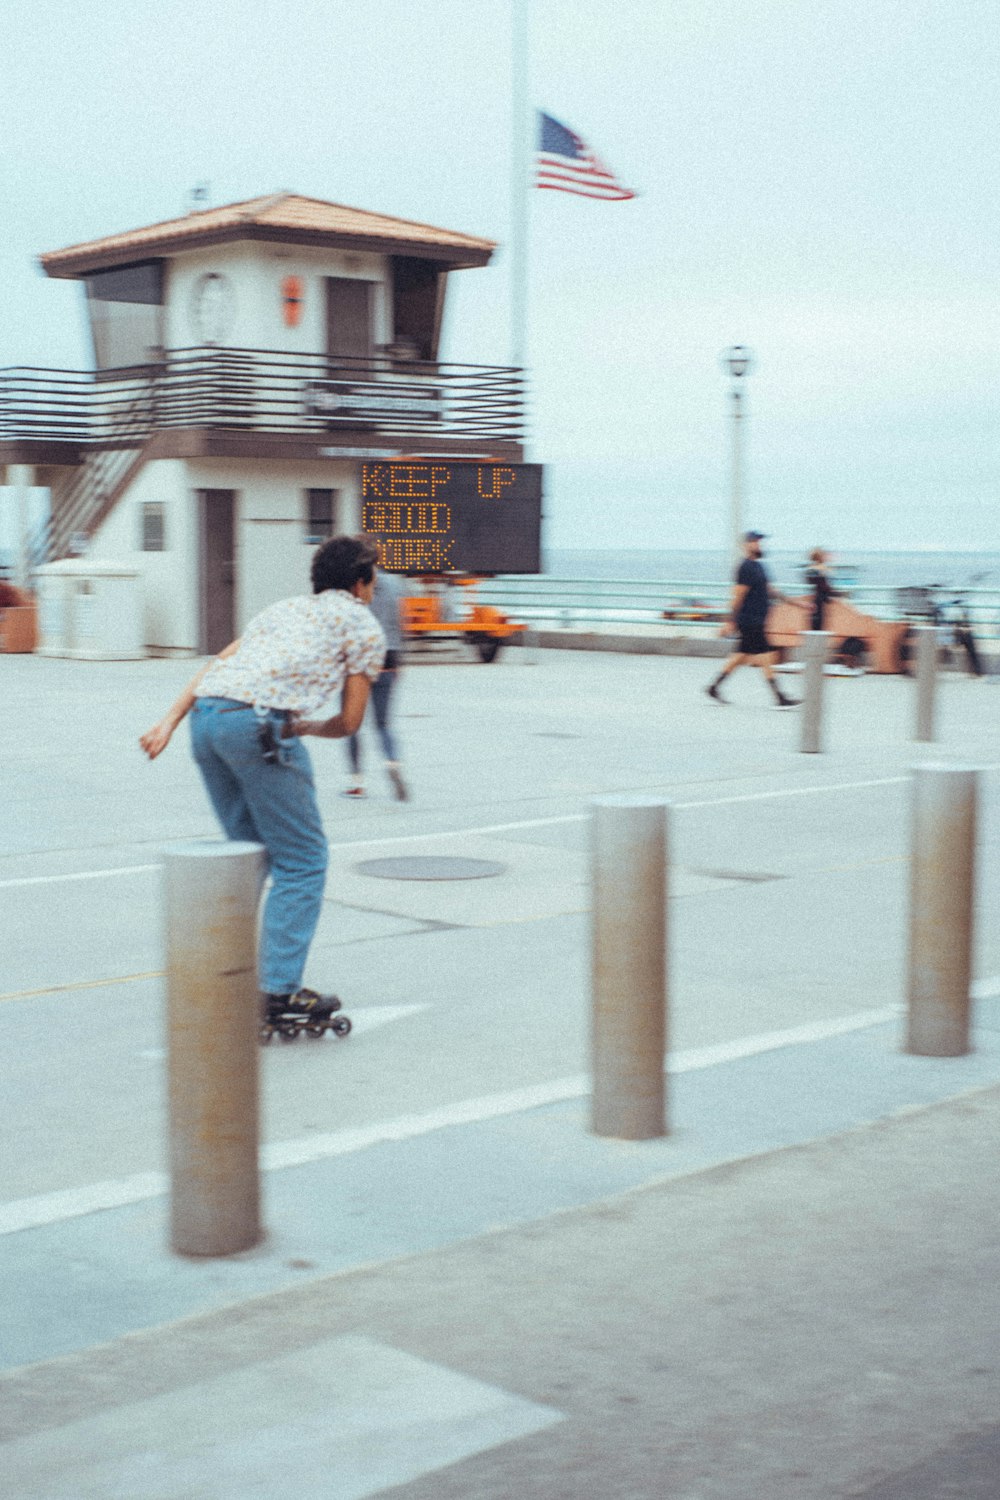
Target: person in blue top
pixel 385 606
pixel 752 595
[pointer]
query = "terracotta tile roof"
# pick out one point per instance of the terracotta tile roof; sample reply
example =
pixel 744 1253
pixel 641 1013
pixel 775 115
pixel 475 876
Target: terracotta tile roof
pixel 282 217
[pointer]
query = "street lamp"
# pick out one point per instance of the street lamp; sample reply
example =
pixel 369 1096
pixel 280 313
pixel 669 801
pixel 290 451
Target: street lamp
pixel 738 361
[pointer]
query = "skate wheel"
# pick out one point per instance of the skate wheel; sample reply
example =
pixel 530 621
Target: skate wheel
pixel 265 1034
pixel 340 1026
pixel 289 1032
pixel 315 1028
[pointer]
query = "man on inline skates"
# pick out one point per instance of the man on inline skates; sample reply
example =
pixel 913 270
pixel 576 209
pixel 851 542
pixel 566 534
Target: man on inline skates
pixel 250 709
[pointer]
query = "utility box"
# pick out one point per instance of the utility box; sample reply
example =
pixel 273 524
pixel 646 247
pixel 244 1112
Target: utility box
pixel 90 610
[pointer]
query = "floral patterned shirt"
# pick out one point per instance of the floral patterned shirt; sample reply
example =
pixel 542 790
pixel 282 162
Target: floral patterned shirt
pixel 296 654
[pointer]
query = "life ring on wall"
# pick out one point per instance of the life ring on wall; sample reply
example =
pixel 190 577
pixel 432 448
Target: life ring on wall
pixel 291 301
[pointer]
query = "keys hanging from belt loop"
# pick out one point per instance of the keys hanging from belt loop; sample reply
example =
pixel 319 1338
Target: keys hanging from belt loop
pixel 267 737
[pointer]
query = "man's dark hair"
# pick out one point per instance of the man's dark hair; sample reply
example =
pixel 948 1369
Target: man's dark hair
pixel 342 561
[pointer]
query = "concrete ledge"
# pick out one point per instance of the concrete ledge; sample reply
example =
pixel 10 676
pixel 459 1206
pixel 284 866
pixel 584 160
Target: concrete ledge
pixel 641 644
pixel 636 645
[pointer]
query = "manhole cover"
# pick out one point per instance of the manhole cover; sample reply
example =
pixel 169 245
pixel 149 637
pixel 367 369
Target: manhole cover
pixel 754 877
pixel 430 867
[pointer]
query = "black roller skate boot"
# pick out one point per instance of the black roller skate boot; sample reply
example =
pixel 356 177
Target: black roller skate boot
pixel 303 1011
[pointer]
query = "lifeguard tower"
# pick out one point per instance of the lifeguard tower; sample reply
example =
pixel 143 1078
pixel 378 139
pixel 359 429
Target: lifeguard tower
pixel 250 361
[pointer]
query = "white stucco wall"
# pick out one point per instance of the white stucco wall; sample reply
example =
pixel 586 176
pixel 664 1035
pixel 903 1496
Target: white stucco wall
pixel 169 579
pixel 255 271
pixel 272 557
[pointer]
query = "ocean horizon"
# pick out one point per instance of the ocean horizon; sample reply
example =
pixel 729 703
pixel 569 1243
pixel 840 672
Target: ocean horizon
pixel 864 568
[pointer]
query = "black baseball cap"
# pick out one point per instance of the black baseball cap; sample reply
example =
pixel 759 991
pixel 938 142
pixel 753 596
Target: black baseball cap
pixel 755 536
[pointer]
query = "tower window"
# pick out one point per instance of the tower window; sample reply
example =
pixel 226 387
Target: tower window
pixel 321 515
pixel 154 528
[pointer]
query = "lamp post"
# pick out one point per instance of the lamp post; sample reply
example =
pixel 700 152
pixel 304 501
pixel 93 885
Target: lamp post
pixel 738 362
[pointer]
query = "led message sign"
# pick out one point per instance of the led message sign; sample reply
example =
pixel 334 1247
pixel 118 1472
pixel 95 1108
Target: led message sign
pixel 437 516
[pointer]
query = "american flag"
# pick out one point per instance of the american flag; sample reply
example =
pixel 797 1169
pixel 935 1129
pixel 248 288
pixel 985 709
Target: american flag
pixel 567 165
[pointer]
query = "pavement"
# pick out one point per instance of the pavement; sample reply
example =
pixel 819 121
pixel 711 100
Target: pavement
pixel 462 1291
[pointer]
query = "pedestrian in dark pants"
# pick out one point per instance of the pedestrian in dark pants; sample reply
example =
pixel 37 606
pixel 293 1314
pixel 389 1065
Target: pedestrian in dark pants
pixel 386 607
pixel 961 626
pixel 751 600
pixel 822 590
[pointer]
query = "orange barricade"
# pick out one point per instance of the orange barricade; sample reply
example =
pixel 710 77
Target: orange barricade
pixel 482 625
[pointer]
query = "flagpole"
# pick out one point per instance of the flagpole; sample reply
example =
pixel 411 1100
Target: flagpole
pixel 522 140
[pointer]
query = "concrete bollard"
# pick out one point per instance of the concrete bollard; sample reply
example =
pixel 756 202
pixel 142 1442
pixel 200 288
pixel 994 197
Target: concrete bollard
pixel 629 966
pixel 942 883
pixel 815 650
pixel 211 892
pixel 925 666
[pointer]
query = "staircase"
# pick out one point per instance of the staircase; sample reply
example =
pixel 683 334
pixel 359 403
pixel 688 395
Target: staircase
pixel 83 500
pixel 39 546
pixel 88 497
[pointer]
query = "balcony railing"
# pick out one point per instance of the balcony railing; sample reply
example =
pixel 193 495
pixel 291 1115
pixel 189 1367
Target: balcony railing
pixel 262 391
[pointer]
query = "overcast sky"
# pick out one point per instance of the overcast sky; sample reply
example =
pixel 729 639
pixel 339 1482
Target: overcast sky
pixel 818 181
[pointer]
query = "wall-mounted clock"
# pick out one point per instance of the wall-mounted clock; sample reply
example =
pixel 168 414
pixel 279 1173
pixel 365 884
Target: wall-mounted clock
pixel 213 307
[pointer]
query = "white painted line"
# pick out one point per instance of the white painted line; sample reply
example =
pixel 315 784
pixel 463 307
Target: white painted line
pixel 456 833
pixel 460 833
pixel 373 1016
pixel 809 791
pixel 6 885
pixel 795 791
pixel 798 791
pixel 402 838
pixel 495 1106
pixel 693 1058
pixel 73 1203
pixel 408 1127
pixel 49 1208
pixel 362 1021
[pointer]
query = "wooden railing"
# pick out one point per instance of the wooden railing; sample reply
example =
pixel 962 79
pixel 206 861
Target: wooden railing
pixel 257 390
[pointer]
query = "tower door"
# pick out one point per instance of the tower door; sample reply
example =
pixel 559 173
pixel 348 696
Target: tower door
pixel 348 317
pixel 217 570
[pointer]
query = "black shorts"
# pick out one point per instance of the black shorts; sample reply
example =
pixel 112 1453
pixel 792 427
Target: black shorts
pixel 753 641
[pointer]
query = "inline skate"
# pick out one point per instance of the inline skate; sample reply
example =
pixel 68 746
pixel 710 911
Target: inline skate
pixel 288 1016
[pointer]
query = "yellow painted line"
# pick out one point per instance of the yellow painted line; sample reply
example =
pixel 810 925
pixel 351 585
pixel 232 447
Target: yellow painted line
pixel 83 984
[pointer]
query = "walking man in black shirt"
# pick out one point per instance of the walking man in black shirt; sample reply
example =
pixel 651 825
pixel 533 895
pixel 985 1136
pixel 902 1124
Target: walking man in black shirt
pixel 751 601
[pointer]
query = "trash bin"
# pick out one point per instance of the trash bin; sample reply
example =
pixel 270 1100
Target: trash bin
pixel 90 610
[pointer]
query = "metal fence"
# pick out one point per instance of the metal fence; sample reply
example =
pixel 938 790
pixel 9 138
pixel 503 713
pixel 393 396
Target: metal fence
pixel 683 608
pixel 259 390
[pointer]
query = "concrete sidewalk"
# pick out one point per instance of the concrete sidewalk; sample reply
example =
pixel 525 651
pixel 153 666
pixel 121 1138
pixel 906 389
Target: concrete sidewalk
pixel 462 1292
pixel 521 1308
pixel 817 1322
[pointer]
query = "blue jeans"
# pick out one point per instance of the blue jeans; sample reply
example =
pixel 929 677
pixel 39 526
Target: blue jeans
pixel 273 805
pixel 381 692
